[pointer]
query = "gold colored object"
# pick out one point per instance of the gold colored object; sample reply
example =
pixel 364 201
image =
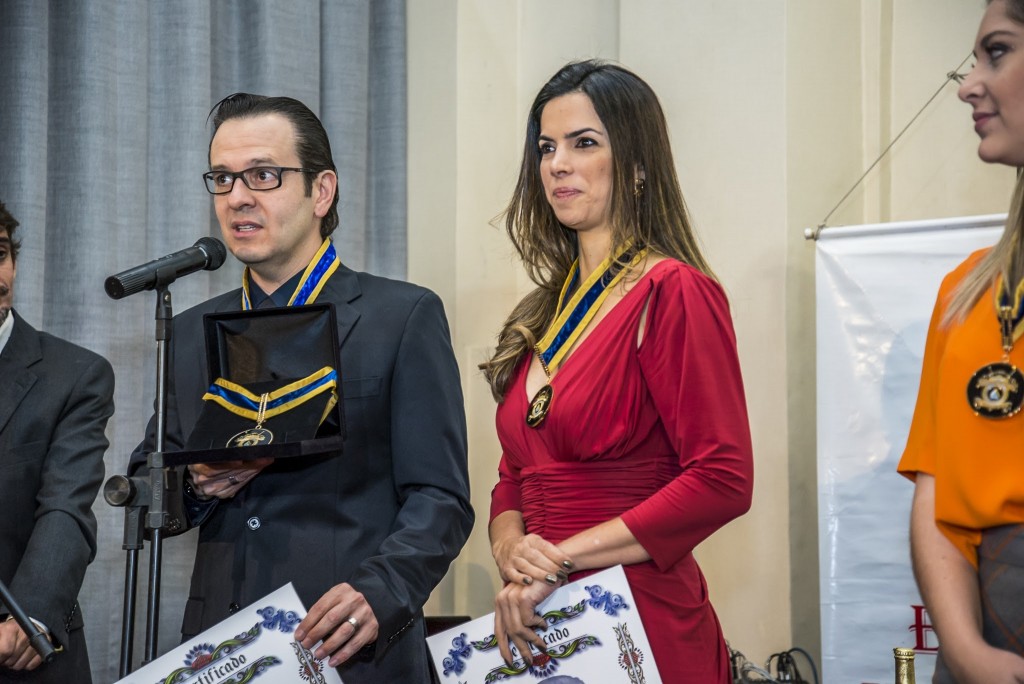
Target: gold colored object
pixel 997 390
pixel 258 435
pixel 539 406
pixel 904 665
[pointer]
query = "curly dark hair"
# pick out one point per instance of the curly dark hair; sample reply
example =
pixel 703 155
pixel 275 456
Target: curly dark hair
pixel 8 224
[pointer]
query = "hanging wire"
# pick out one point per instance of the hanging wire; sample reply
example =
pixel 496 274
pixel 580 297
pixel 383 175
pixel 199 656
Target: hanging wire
pixel 953 75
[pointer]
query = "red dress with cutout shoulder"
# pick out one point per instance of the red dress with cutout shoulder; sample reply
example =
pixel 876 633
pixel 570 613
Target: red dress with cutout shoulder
pixel 657 435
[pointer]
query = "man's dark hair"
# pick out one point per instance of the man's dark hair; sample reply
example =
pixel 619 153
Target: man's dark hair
pixel 8 224
pixel 311 142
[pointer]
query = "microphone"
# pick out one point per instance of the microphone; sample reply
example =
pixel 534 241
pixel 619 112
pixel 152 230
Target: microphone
pixel 207 254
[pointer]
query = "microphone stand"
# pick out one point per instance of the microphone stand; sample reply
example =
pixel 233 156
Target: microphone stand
pixel 36 638
pixel 146 498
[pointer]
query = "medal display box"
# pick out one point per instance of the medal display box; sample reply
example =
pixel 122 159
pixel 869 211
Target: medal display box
pixel 275 386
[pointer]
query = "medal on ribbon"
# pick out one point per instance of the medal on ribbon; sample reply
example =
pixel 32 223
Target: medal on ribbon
pixel 996 390
pixel 255 436
pixel 323 265
pixel 572 319
pixel 262 407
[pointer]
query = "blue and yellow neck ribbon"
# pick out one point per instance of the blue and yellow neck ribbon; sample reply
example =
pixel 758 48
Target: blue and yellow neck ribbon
pixel 242 402
pixel 323 265
pixel 1010 310
pixel 574 316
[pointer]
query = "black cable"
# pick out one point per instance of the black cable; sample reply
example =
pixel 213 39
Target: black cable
pixel 777 657
pixel 786 670
pixel 805 654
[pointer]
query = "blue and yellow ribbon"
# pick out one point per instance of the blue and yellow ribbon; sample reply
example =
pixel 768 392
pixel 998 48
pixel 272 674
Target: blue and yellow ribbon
pixel 323 265
pixel 242 402
pixel 574 316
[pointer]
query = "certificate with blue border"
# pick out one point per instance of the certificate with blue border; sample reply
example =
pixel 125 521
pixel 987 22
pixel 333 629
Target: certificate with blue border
pixel 256 644
pixel 594 636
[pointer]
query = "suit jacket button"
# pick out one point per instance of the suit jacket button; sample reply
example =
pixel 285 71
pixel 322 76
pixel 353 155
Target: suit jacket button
pixel 253 523
pixel 233 608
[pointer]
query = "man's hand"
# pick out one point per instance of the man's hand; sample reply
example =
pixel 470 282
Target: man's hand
pixel 15 651
pixel 225 479
pixel 343 620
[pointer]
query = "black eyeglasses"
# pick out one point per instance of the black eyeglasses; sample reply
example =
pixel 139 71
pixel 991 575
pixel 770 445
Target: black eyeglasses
pixel 257 178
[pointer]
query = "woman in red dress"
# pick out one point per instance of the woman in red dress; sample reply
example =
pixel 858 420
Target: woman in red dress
pixel 621 411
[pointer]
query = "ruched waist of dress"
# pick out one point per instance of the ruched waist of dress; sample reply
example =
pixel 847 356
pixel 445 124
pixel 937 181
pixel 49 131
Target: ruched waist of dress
pixel 561 499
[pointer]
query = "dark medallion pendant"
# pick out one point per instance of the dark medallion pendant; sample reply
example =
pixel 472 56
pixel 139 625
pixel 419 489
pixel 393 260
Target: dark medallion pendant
pixel 996 391
pixel 252 437
pixel 540 406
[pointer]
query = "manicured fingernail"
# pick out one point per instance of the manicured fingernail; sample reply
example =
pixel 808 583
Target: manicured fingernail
pixel 550 579
pixel 562 576
pixel 567 564
pixel 527 580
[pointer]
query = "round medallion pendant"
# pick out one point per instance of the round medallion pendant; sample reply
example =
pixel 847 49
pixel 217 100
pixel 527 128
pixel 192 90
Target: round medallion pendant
pixel 539 406
pixel 251 437
pixel 996 391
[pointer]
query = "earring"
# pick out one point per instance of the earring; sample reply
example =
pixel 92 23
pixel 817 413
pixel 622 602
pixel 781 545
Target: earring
pixel 638 192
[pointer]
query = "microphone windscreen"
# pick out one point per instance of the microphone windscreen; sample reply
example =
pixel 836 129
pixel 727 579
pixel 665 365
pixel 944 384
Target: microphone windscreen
pixel 215 252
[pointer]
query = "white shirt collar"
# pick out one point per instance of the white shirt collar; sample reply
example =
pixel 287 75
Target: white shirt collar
pixel 5 330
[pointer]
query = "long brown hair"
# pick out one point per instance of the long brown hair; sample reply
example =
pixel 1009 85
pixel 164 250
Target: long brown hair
pixel 656 218
pixel 1006 258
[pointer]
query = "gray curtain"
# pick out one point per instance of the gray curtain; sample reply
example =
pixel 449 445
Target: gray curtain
pixel 103 136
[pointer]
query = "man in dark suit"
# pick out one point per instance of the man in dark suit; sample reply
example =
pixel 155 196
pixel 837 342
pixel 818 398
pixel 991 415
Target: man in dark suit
pixel 364 535
pixel 55 399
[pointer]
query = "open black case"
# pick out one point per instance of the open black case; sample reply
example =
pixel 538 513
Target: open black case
pixel 280 364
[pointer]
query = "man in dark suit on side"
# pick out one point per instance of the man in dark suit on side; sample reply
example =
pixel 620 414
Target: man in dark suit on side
pixel 364 535
pixel 55 400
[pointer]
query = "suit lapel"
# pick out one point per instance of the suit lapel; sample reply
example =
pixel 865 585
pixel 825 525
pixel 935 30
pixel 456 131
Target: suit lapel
pixel 22 351
pixel 342 289
pixel 231 301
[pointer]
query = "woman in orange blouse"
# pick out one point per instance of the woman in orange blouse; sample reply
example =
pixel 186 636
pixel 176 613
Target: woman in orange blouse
pixel 965 451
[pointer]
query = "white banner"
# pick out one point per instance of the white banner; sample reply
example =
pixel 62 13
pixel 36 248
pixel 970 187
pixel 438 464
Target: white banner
pixel 876 286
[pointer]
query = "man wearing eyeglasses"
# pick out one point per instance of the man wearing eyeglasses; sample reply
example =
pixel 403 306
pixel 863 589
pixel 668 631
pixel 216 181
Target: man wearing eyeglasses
pixel 364 536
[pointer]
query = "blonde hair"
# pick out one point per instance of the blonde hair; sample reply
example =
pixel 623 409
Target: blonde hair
pixel 1005 259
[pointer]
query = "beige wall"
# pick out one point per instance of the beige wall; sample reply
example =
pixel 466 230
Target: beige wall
pixel 775 109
